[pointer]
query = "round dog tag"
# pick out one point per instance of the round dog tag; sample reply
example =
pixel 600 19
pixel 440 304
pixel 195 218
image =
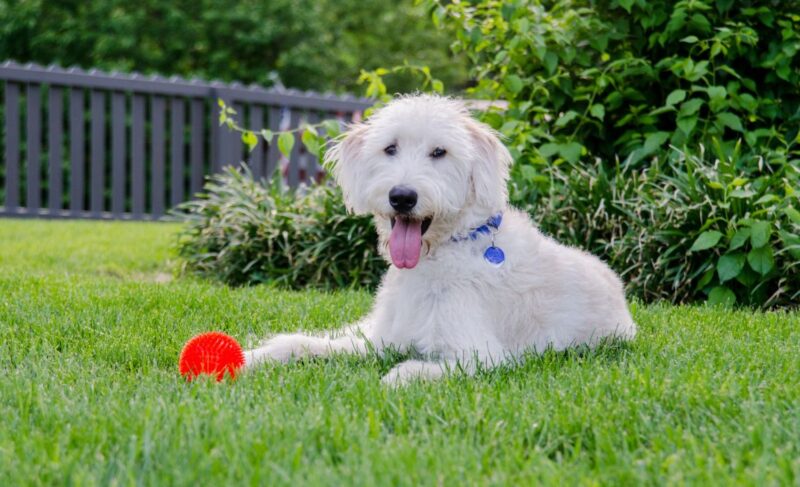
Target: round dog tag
pixel 495 256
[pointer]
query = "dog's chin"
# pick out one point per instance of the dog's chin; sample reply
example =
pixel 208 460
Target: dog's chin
pixel 405 239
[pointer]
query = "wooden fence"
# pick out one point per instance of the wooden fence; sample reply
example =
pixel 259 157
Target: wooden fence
pixel 86 144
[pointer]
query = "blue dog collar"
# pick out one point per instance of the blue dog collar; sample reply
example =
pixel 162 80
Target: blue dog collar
pixel 493 254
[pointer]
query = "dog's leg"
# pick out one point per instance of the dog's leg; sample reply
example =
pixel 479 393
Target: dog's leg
pixel 487 356
pixel 282 348
pixel 410 370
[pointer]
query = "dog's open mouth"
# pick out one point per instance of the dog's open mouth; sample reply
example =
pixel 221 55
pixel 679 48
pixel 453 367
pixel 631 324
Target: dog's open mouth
pixel 405 241
pixel 426 222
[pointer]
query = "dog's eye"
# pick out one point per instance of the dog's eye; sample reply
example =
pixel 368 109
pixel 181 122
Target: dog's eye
pixel 438 152
pixel 391 150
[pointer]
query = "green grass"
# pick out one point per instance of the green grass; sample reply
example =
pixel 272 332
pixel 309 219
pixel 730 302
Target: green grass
pixel 90 394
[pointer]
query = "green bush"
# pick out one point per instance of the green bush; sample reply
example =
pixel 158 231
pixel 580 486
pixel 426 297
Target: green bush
pixel 681 230
pixel 684 229
pixel 627 78
pixel 241 231
pixel 660 135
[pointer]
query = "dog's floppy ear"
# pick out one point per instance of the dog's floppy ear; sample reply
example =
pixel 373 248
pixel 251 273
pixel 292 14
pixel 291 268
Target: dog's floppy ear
pixel 344 158
pixel 490 170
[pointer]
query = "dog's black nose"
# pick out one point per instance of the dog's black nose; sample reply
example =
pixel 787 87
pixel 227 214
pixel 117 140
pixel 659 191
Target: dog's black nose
pixel 403 199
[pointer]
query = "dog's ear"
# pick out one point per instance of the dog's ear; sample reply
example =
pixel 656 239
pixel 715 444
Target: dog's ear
pixel 344 159
pixel 490 169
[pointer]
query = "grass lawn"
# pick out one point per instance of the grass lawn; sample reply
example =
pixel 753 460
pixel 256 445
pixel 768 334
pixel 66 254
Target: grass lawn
pixel 91 327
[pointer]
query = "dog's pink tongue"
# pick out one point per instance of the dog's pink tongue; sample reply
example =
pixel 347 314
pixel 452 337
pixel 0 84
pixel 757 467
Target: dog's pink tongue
pixel 405 243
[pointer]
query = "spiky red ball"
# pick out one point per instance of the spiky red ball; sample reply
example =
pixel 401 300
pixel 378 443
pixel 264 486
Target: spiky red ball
pixel 212 353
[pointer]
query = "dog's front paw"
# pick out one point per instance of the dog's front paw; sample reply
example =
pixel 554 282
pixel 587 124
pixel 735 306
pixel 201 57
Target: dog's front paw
pixel 281 348
pixel 412 370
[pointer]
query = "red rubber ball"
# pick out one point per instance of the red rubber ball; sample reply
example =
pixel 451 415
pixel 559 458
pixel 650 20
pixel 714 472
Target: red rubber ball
pixel 212 353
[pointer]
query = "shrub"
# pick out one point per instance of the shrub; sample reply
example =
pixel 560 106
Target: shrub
pixel 241 231
pixel 609 78
pixel 684 229
pixel 599 91
pixel 661 136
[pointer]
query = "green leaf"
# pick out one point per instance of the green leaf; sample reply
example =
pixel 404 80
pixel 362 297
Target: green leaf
pixel 675 97
pixel 706 240
pixel 438 86
pixel 740 238
pixel 742 193
pixel 528 172
pixel 250 140
pixel 717 95
pixel 738 182
pixel 513 83
pixel 748 102
pixel 767 198
pixel 286 143
pixel 687 124
pixel 310 128
pixel 748 277
pixel 729 266
pixel 566 118
pixel 626 4
pixel 571 151
pixel 310 140
pixel 791 243
pixel 760 232
pixel 598 111
pixel 731 121
pixel 697 71
pixel 707 277
pixel 332 128
pixel 721 296
pixel 654 141
pixel 690 39
pixel 761 260
pixel 691 107
pixel 793 214
pixel 551 62
pixel 267 135
pixel 549 150
pixel 716 92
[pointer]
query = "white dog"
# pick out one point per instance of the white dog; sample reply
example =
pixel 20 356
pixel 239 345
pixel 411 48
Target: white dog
pixel 472 281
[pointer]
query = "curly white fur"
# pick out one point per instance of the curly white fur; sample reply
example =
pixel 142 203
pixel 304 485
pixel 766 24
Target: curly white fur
pixel 454 308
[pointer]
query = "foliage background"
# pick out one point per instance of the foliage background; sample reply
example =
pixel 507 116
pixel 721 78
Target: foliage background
pixel 307 44
pixel 663 136
pixel 660 135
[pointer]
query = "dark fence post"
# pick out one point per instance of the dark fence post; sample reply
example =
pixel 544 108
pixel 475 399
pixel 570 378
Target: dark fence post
pixel 55 141
pixel 34 149
pixel 157 115
pixel 118 125
pixel 177 122
pixel 98 153
pixel 77 151
pixel 12 147
pixel 138 169
pixel 196 149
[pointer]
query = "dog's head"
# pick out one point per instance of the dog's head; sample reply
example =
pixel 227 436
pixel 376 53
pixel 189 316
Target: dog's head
pixel 424 168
